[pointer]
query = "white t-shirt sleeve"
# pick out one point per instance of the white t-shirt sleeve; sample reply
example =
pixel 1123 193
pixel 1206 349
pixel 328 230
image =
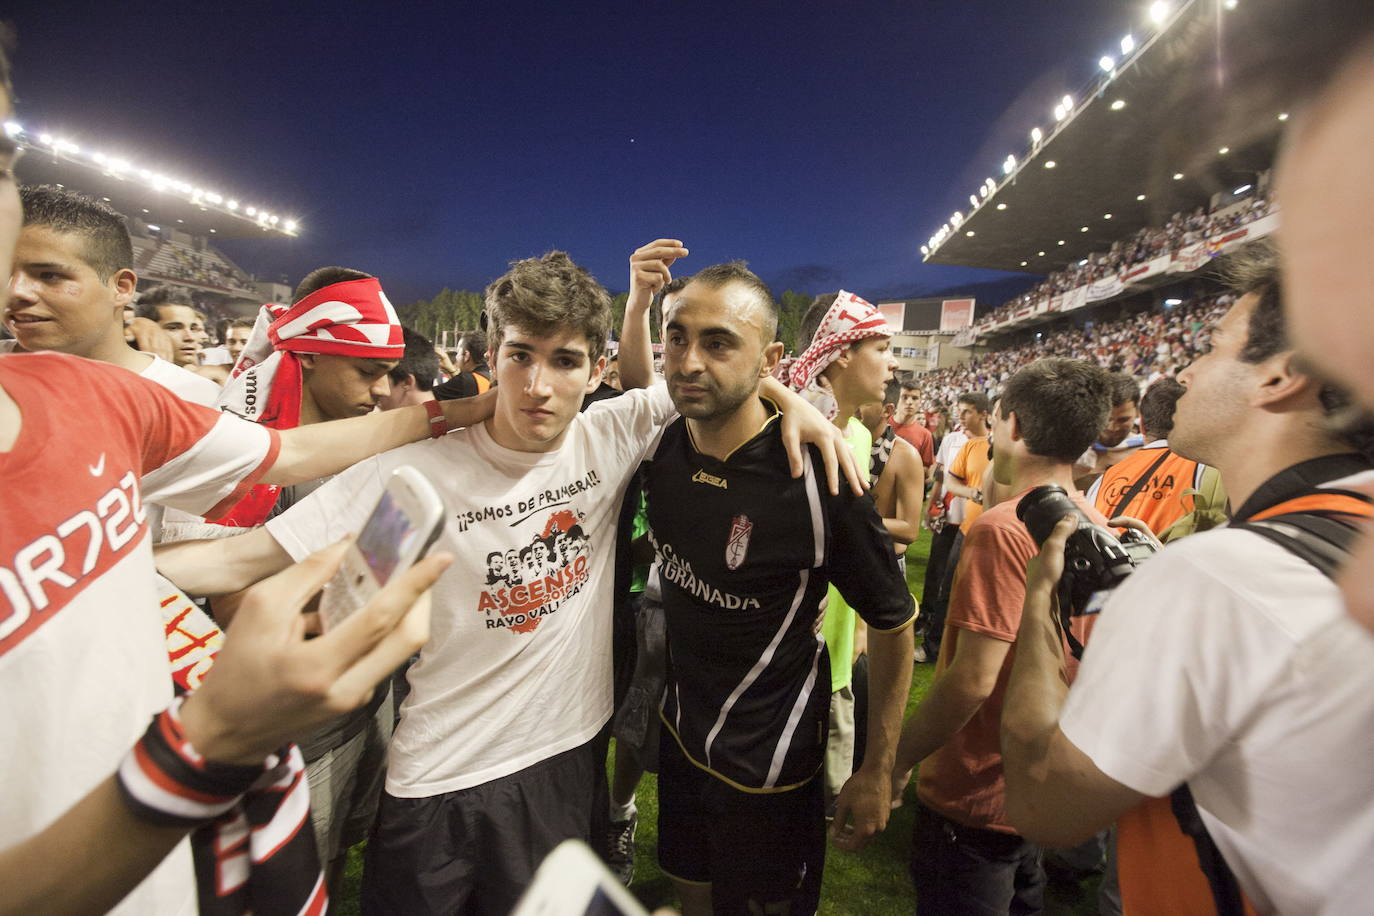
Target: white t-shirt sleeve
pixel 633 421
pixel 1177 664
pixel 337 509
pixel 216 470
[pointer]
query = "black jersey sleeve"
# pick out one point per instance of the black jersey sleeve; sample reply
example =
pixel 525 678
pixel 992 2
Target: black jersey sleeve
pixel 862 564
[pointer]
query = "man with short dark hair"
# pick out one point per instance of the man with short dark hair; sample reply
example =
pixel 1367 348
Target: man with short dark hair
pixel 236 337
pixel 1254 671
pixel 744 553
pixel 965 855
pixel 73 276
pixel 474 376
pixel 171 308
pixel 412 380
pixel 908 423
pixel 1118 438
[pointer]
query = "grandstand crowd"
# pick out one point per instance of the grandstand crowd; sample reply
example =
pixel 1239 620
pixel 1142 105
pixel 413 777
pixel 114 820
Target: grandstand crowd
pixel 1181 230
pixel 1148 595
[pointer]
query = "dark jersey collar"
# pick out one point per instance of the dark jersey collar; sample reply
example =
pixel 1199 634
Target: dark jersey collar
pixel 1299 479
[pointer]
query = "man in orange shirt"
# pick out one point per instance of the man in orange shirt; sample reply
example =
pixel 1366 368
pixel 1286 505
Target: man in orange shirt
pixel 965 856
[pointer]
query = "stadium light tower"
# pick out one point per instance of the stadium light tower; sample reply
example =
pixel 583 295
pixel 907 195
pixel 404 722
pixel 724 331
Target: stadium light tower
pixel 1159 12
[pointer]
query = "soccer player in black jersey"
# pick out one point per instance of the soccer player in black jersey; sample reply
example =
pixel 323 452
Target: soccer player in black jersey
pixel 745 553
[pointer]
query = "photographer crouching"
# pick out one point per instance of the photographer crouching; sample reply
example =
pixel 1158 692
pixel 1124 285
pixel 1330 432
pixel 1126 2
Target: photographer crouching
pixel 1223 714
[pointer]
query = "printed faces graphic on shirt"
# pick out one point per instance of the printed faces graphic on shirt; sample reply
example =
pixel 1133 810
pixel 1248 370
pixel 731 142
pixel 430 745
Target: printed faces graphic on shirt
pixel 48 569
pixel 525 584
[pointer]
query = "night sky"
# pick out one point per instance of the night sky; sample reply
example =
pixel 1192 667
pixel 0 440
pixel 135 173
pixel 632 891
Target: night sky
pixel 432 144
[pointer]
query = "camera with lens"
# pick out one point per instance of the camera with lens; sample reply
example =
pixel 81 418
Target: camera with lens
pixel 1095 559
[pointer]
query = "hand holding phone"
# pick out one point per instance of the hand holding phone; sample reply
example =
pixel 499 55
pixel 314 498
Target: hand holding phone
pixel 405 523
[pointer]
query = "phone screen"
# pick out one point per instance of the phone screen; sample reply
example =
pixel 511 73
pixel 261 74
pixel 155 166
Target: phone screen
pixel 386 537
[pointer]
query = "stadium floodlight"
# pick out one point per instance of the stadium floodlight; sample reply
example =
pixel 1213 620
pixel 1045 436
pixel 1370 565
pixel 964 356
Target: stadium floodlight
pixel 1127 45
pixel 1067 102
pixel 1037 135
pixel 1009 164
pixel 1140 197
pixel 1084 229
pixel 1242 189
pixel 973 201
pixel 925 250
pixel 1050 163
pixel 45 139
pixel 1173 302
pixel 13 128
pixel 1159 12
pixel 990 184
pixel 289 225
pixel 1283 116
pixel 1107 62
pixel 970 233
pixel 252 211
pixel 1178 176
pixel 1224 150
pixel 214 198
pixel 1023 263
pixel 1059 113
pixel 1001 206
pixel 1118 105
pixel 1106 216
pixel 232 205
pixel 1061 241
pixel 1040 253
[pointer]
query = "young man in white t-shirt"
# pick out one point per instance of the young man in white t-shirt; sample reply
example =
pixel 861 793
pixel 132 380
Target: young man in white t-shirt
pixel 491 764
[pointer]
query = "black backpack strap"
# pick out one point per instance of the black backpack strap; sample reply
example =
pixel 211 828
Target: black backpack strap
pixel 1226 893
pixel 1324 540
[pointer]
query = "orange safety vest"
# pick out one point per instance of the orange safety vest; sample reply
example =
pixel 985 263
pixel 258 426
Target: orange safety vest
pixel 1159 501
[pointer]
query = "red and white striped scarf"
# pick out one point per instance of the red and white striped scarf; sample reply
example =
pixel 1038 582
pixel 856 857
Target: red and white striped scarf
pixel 848 319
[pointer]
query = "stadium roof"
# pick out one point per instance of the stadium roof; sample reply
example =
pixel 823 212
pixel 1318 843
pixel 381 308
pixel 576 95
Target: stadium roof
pixel 169 202
pixel 1124 156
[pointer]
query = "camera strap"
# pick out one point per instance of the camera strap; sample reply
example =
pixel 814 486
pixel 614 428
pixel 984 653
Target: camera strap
pixel 1319 526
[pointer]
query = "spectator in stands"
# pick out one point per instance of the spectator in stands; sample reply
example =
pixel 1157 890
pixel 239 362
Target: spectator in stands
pixel 474 376
pixel 908 423
pixel 1253 670
pixel 236 337
pixel 1118 439
pixel 966 857
pixel 72 278
pixel 413 378
pixel 171 308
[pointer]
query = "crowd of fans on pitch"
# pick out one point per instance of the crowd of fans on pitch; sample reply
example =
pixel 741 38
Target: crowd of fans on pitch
pixel 1181 230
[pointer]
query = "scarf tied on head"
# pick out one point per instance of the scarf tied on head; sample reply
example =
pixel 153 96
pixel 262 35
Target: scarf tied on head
pixel 352 318
pixel 848 319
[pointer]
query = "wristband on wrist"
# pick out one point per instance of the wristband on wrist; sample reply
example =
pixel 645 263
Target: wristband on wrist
pixel 438 423
pixel 164 781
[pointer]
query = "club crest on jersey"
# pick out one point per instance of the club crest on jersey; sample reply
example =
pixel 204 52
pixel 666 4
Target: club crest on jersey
pixel 703 477
pixel 738 545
